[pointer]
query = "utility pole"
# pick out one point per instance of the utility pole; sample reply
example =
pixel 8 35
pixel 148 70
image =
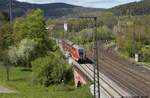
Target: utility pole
pixel 10 13
pixel 10 30
pixel 133 38
pixel 96 77
pixel 133 34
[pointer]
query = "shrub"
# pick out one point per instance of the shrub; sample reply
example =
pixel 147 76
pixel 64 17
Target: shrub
pixel 146 53
pixel 129 48
pixel 51 69
pixel 104 33
pixel 23 52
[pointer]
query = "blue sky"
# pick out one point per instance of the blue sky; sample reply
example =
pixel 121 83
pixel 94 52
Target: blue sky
pixel 85 3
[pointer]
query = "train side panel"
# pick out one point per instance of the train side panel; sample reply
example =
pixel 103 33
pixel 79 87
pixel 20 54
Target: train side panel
pixel 75 51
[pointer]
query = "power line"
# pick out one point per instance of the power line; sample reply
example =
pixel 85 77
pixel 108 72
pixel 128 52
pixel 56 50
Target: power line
pixel 96 77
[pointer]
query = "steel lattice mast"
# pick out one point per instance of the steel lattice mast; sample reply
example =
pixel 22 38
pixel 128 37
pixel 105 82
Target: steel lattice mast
pixel 96 77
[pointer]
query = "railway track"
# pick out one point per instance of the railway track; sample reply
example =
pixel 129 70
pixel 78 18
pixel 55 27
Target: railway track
pixel 105 90
pixel 90 68
pixel 131 66
pixel 136 77
pixel 119 71
pixel 123 76
pixel 106 85
pixel 125 81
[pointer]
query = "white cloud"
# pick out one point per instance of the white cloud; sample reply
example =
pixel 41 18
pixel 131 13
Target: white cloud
pixel 86 3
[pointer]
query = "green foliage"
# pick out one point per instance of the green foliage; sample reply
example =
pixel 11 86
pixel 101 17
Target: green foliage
pixel 107 19
pixel 146 53
pixel 5 36
pixel 26 47
pixel 104 33
pixel 20 82
pixel 33 27
pixel 132 28
pixel 81 30
pixel 86 36
pixel 76 25
pixel 13 56
pixel 129 48
pixel 51 69
pixel 3 17
pixel 83 37
pixel 31 40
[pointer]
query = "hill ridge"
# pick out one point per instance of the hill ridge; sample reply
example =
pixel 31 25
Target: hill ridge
pixel 52 10
pixel 134 8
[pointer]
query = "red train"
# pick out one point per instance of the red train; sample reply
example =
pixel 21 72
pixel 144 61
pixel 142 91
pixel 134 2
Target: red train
pixel 74 51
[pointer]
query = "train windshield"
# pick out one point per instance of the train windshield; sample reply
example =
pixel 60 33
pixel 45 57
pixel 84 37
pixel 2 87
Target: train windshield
pixel 81 52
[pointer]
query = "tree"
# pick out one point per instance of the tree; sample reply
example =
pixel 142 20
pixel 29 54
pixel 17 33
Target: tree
pixel 5 34
pixel 5 62
pixel 131 34
pixel 85 36
pixel 104 33
pixel 108 19
pixel 24 52
pixel 33 27
pixel 13 56
pixel 5 41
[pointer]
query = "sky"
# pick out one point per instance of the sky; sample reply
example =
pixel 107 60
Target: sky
pixel 85 3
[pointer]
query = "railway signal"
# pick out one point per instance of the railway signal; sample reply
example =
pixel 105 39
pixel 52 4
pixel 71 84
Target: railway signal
pixel 65 27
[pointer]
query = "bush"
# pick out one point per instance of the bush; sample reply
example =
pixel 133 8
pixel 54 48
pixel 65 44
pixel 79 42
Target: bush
pixel 129 49
pixel 146 53
pixel 51 69
pixel 86 36
pixel 104 33
pixel 23 52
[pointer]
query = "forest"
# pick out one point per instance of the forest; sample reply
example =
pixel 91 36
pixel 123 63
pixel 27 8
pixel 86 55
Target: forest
pixel 127 33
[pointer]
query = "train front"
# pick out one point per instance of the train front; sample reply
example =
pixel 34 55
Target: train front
pixel 82 54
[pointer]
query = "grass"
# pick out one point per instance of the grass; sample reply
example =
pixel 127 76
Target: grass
pixel 109 45
pixel 145 64
pixel 20 81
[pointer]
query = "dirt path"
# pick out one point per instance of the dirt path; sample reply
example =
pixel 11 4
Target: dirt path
pixel 5 90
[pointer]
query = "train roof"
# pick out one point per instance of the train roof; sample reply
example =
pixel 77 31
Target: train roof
pixel 78 47
pixel 69 42
pixel 73 45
